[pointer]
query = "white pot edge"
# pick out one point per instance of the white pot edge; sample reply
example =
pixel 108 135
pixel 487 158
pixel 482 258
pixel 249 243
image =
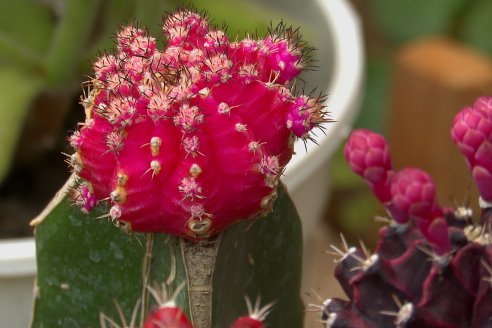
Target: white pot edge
pixel 344 92
pixel 18 256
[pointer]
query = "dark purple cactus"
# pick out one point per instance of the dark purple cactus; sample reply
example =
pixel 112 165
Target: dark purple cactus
pixel 432 266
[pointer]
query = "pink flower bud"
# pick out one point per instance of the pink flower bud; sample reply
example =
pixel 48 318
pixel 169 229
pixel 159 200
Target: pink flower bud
pixel 472 133
pixel 484 104
pixel 414 194
pixel 367 154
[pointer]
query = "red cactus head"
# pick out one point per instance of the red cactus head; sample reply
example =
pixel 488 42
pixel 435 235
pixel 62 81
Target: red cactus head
pixel 193 138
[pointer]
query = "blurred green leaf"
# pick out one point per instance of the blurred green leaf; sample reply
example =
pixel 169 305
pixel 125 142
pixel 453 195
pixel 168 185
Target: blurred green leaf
pixel 149 14
pixel 406 19
pixel 240 16
pixel 25 31
pixel 17 91
pixel 476 26
pixel 69 40
pixel 341 175
pixel 356 213
pixel 114 13
pixel 27 22
pixel 374 104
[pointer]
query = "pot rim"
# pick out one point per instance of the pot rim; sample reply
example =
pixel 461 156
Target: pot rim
pixel 345 91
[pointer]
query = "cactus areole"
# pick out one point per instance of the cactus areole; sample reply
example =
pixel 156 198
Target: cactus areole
pixel 192 138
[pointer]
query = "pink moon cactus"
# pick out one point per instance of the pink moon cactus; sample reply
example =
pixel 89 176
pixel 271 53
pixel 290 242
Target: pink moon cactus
pixel 190 139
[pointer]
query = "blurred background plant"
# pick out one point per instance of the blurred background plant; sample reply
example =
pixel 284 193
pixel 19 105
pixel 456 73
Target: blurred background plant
pixel 46 47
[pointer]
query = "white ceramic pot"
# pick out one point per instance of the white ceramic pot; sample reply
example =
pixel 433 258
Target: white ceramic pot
pixel 336 27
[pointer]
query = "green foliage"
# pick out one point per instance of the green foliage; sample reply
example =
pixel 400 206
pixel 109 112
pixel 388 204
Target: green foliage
pixel 403 20
pixel 25 30
pixel 476 26
pixel 85 263
pixel 67 44
pixel 17 90
pixel 374 103
pixel 239 16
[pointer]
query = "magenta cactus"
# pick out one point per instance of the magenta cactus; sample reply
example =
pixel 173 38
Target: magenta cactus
pixel 193 138
pixel 432 266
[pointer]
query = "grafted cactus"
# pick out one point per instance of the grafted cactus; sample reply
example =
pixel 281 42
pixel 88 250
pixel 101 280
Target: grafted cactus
pixel 179 148
pixel 432 266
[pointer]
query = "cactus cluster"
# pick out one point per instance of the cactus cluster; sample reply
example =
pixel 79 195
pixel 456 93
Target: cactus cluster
pixel 432 266
pixel 192 138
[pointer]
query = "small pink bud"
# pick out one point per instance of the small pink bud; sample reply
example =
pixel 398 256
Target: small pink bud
pixel 414 195
pixel 484 104
pixel 472 133
pixel 367 154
